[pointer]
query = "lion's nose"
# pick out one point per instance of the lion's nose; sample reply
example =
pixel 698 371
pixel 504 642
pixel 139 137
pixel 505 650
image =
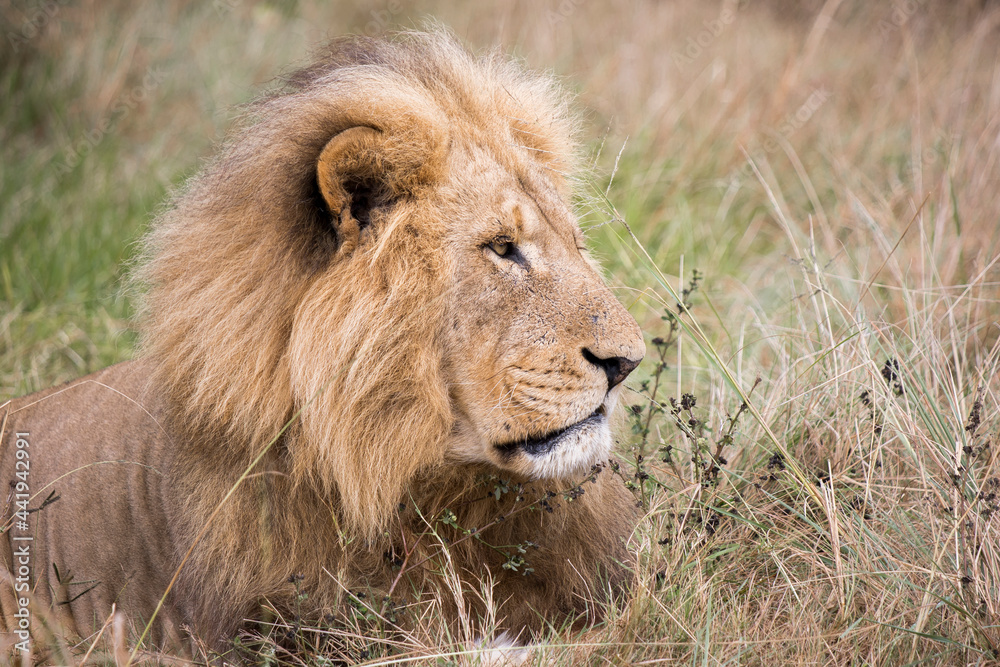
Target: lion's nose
pixel 616 368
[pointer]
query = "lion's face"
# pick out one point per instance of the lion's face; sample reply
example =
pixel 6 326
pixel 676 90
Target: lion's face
pixel 536 345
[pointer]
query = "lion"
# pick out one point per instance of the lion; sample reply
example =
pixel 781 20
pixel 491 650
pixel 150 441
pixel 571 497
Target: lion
pixel 373 344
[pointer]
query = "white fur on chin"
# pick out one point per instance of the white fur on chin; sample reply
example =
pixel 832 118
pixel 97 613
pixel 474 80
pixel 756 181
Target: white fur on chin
pixel 574 454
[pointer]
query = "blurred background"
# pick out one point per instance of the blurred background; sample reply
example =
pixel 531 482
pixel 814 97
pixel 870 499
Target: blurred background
pixel 817 181
pixel 734 130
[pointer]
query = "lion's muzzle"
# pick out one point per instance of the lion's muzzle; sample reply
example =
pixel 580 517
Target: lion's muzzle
pixel 565 452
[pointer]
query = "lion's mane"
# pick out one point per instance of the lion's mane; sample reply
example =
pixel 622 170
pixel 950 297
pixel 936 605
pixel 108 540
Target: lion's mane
pixel 331 396
pixel 229 264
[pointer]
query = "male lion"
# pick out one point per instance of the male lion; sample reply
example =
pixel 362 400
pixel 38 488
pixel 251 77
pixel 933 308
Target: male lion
pixel 371 327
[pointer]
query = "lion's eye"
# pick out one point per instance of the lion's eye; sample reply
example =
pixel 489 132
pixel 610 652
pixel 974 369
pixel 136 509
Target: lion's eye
pixel 502 247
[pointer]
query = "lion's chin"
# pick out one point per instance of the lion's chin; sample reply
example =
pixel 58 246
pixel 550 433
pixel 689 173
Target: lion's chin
pixel 567 453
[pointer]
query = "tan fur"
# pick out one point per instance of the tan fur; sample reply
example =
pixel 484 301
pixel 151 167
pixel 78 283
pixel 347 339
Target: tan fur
pixel 329 295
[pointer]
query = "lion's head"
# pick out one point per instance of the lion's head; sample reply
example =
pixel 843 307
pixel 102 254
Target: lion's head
pixel 384 255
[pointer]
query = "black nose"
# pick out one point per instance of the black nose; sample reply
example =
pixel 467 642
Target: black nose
pixel 616 368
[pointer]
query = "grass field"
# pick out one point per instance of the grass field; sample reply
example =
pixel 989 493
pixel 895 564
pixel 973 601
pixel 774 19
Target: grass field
pixel 825 176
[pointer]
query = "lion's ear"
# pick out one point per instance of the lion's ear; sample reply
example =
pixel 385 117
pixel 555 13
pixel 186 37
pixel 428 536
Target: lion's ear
pixel 349 178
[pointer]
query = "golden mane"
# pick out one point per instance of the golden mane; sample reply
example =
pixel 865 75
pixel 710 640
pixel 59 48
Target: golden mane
pixel 239 348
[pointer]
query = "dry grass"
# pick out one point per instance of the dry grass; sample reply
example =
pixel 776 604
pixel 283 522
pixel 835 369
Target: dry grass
pixel 832 170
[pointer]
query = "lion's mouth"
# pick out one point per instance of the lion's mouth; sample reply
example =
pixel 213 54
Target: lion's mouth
pixel 547 442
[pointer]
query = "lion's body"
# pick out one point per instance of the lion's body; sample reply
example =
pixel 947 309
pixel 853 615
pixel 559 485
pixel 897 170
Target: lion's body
pixel 375 299
pixel 124 523
pixel 110 521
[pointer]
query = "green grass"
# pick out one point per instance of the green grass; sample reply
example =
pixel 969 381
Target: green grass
pixel 855 518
